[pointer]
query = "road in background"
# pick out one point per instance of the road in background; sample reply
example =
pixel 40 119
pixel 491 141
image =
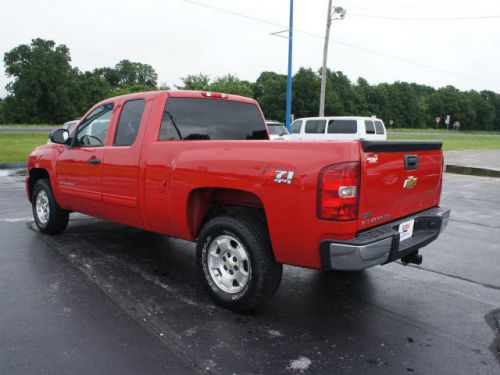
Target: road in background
pixel 449 134
pixel 21 129
pixel 104 296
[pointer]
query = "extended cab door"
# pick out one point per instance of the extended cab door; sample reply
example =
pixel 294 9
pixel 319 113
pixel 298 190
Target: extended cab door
pixel 120 171
pixel 79 167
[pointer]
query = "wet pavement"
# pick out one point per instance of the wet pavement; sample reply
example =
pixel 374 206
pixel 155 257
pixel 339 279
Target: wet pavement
pixel 105 298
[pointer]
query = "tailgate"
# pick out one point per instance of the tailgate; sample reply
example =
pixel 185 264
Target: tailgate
pixel 398 178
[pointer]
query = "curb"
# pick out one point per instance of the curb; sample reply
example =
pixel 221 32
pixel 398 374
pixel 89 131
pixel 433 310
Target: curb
pixel 12 165
pixel 473 171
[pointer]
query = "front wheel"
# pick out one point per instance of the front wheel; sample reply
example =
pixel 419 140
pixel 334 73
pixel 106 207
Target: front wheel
pixel 236 263
pixel 49 217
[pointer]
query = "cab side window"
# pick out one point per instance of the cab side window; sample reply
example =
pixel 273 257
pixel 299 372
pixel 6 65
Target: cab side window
pixel 93 129
pixel 129 123
pixel 296 125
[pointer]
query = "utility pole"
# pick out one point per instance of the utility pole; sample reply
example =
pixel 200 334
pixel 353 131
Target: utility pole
pixel 289 78
pixel 340 12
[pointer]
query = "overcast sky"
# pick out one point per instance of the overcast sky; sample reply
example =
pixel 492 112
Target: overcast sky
pixel 181 37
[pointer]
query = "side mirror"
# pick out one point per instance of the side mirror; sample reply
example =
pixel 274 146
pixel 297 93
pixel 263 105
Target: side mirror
pixel 60 136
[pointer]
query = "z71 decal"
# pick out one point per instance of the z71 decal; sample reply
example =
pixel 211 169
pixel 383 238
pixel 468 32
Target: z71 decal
pixel 284 177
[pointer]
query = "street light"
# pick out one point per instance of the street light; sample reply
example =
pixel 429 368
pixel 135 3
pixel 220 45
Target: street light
pixel 338 13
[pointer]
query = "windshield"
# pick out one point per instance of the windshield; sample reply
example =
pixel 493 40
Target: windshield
pixel 203 119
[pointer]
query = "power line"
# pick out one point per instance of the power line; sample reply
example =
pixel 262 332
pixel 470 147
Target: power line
pixel 260 20
pixel 389 18
pixel 414 5
pixel 232 13
pixel 346 44
pixel 402 59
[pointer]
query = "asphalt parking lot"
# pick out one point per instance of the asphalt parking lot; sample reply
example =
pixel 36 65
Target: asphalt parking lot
pixel 104 299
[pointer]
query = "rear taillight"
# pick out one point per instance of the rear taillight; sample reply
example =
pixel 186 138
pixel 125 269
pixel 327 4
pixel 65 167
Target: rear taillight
pixel 338 191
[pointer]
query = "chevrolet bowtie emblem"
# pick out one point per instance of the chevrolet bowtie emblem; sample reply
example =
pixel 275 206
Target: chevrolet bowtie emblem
pixel 410 182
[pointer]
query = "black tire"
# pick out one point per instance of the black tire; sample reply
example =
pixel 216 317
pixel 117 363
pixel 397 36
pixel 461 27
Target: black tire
pixel 57 219
pixel 265 273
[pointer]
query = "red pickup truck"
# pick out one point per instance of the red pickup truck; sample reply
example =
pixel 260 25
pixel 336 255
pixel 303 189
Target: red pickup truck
pixel 200 166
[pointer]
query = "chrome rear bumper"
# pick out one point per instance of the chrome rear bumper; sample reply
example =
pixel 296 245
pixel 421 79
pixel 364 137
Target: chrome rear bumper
pixel 381 244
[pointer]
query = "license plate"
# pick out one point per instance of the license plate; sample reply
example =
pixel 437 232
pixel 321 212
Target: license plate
pixel 406 230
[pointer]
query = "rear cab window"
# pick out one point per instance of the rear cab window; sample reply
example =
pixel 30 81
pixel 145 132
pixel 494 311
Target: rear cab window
pixel 214 119
pixel 315 126
pixel 342 127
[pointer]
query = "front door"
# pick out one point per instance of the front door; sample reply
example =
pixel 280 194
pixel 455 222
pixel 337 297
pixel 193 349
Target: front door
pixel 79 167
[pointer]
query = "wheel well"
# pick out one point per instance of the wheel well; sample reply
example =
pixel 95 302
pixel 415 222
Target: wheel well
pixel 35 175
pixel 206 203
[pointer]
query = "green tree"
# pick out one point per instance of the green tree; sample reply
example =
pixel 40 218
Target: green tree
pixel 2 106
pixel 408 113
pixel 42 89
pixel 230 84
pixel 90 88
pixel 195 82
pixel 458 104
pixel 306 87
pixel 270 91
pixel 364 98
pixel 163 86
pixel 134 73
pixel 484 109
pixel 128 89
pixel 110 75
pixel 339 96
pixel 127 74
pixel 494 100
pixel 444 101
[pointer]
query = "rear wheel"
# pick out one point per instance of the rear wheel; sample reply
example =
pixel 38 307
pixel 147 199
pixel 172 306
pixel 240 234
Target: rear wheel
pixel 49 217
pixel 236 263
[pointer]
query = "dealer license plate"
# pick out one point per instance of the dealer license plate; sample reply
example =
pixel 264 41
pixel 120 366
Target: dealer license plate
pixel 406 230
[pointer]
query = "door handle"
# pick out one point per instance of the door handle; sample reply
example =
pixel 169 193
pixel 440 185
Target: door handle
pixel 93 160
pixel 411 162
